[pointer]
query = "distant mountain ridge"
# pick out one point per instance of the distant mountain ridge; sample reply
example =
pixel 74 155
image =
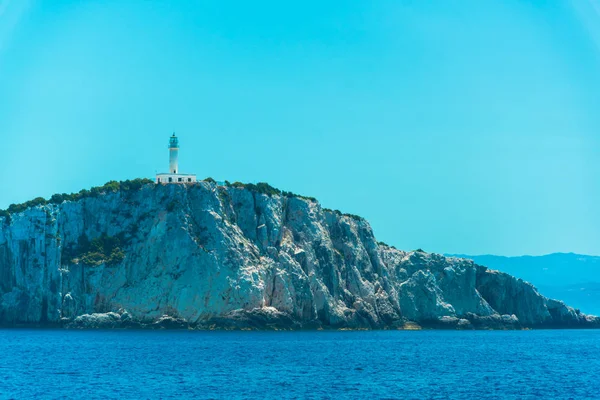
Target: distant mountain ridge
pixel 573 278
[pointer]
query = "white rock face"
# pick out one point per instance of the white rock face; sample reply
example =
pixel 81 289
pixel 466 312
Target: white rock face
pixel 225 257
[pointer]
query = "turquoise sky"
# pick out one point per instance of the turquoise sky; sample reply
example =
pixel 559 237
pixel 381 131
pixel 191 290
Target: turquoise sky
pixel 463 126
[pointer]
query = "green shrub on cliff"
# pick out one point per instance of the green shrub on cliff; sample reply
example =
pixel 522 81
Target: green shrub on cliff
pixel 265 188
pixel 17 208
pixel 135 184
pixel 336 212
pixel 112 186
pixel 290 194
pixel 260 187
pixel 353 216
pixel 102 250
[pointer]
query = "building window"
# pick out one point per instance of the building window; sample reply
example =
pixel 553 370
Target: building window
pixel 170 179
pixel 158 180
pixel 189 179
pixel 179 180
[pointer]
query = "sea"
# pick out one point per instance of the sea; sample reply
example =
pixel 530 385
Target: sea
pixel 129 364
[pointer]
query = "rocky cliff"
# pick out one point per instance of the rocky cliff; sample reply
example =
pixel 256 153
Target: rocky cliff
pixel 211 256
pixel 573 278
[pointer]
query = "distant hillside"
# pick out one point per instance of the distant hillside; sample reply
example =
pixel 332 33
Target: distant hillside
pixel 573 278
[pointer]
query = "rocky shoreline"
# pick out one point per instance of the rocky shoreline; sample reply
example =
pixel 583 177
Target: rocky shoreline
pixel 262 319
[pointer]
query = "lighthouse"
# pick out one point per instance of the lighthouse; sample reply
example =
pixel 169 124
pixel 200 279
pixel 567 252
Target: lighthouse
pixel 173 154
pixel 173 176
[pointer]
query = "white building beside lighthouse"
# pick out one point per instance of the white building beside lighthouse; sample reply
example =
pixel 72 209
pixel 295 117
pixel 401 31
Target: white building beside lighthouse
pixel 173 176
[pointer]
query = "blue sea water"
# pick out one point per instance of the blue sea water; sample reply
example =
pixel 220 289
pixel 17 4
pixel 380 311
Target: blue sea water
pixel 319 365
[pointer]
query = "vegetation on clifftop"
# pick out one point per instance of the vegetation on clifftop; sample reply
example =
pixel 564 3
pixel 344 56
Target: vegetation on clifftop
pixel 136 184
pixel 112 186
pixel 265 188
pixel 339 214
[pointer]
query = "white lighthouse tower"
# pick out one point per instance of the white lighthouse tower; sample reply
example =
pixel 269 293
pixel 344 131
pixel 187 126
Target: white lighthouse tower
pixel 173 155
pixel 173 176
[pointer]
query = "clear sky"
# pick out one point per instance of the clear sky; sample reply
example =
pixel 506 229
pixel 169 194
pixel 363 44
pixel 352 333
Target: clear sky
pixel 462 126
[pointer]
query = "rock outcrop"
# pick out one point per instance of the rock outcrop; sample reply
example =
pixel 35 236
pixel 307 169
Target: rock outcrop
pixel 224 257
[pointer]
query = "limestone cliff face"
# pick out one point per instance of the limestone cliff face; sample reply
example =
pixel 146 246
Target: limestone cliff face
pixel 210 256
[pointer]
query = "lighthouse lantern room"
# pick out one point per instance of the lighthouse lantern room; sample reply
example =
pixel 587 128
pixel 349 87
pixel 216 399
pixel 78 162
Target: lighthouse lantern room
pixel 173 176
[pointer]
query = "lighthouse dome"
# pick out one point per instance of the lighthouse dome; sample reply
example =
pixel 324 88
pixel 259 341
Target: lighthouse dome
pixel 173 142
